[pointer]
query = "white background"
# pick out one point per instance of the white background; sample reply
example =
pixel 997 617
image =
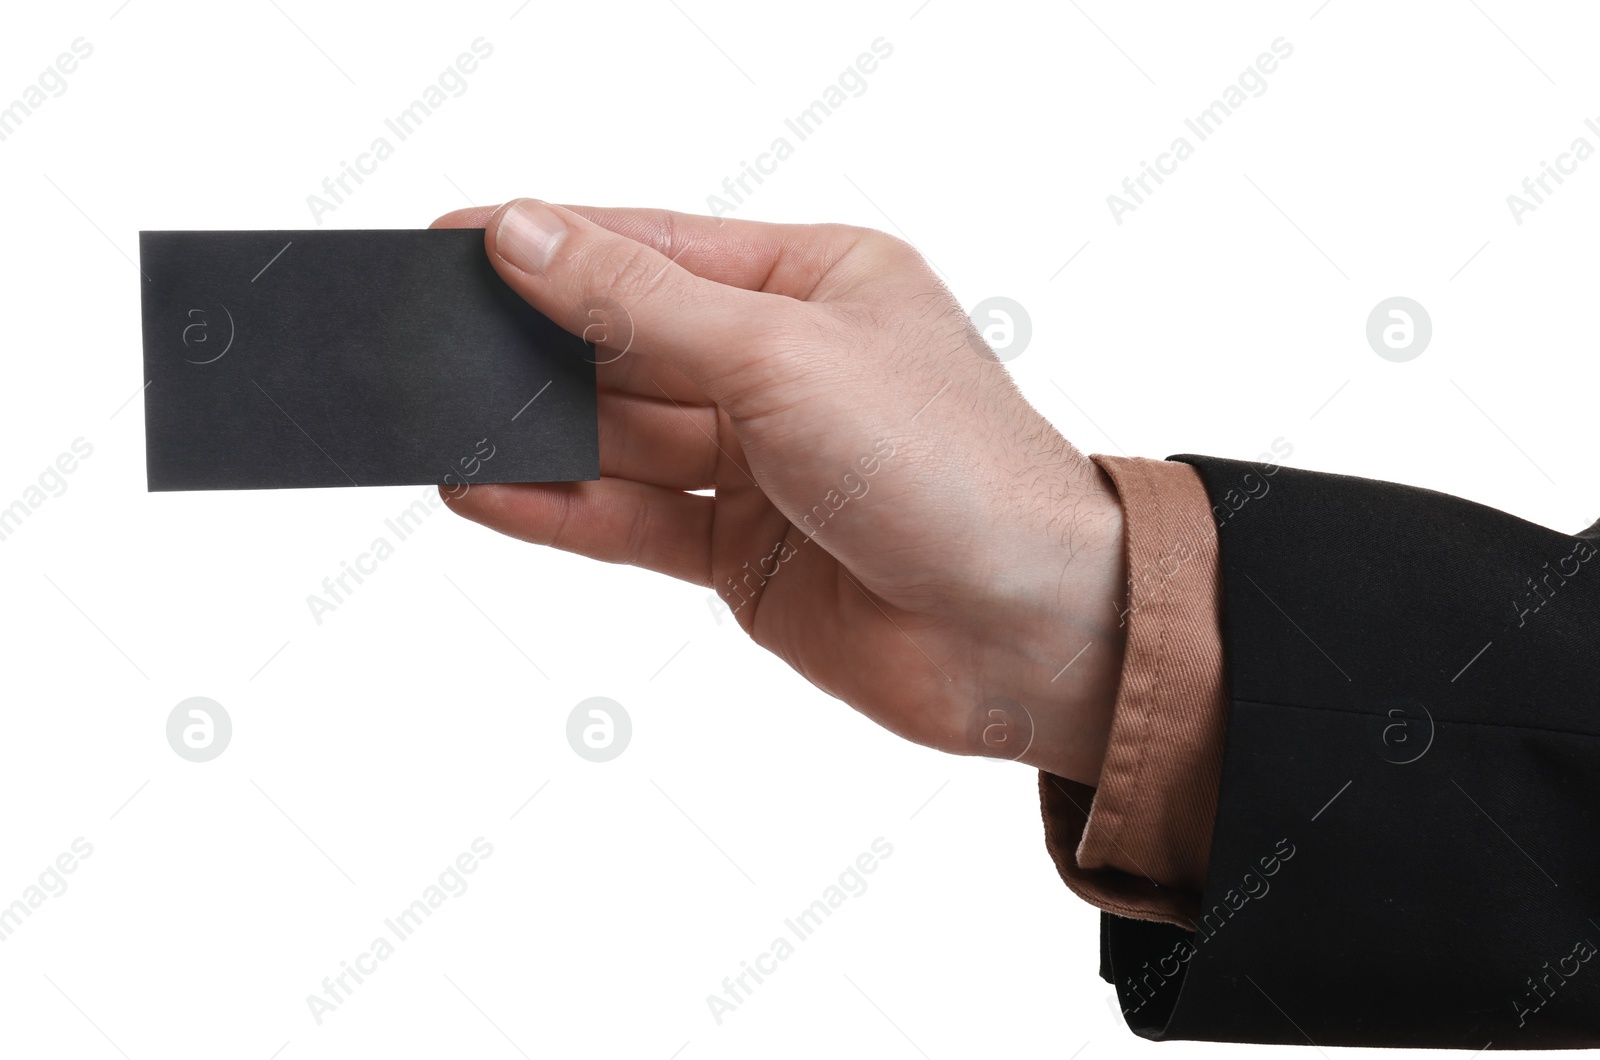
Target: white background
pixel 368 751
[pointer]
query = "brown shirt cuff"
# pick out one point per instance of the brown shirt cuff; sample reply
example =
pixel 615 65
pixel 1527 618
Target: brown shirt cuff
pixel 1138 844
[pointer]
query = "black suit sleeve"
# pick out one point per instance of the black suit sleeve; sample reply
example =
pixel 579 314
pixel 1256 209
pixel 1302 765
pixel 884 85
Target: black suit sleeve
pixel 1407 843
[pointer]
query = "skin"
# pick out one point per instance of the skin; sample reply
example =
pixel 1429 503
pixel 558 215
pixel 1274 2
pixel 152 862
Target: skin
pixel 775 364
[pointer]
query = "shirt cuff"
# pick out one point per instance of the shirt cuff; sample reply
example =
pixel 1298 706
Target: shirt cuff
pixel 1138 844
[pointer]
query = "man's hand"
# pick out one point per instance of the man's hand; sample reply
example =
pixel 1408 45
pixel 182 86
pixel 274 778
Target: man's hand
pixel 891 517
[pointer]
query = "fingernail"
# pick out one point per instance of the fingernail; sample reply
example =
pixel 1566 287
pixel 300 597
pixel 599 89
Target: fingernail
pixel 528 235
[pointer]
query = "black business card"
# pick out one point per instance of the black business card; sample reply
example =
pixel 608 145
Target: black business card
pixel 353 358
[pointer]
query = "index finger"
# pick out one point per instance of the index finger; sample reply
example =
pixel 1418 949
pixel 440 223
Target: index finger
pixel 784 259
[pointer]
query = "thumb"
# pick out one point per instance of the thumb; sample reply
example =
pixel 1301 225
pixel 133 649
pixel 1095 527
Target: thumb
pixel 582 276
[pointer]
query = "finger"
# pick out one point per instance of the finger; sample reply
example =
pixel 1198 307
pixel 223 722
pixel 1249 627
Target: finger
pixel 471 217
pixel 657 442
pixel 611 519
pixel 808 262
pixel 619 367
pixel 728 341
pixel 633 373
pixel 781 259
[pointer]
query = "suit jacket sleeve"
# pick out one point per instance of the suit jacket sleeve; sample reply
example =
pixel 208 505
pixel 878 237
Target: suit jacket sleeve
pixel 1407 843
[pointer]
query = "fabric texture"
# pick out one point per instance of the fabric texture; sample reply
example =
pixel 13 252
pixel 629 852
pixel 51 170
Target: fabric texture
pixel 1404 851
pixel 1136 844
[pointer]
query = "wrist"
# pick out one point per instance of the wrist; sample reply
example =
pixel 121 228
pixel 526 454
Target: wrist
pixel 1053 642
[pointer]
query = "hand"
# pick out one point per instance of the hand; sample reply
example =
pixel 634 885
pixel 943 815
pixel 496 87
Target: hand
pixel 891 517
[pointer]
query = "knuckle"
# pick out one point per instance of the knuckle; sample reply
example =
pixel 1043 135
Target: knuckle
pixel 888 247
pixel 566 502
pixel 672 236
pixel 638 538
pixel 872 251
pixel 626 273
